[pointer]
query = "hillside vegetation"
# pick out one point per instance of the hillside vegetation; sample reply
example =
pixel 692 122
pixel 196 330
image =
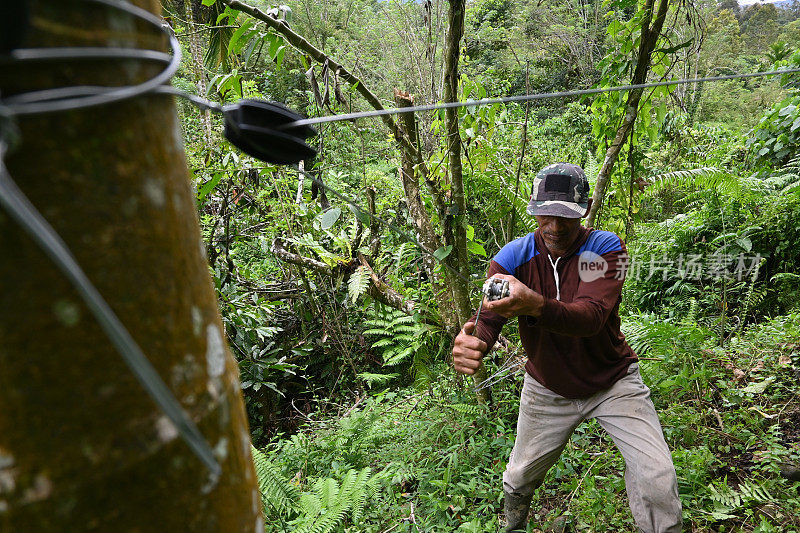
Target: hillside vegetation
pixel 343 327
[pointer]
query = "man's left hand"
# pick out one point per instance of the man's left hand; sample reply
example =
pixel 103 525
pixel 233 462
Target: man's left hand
pixel 522 300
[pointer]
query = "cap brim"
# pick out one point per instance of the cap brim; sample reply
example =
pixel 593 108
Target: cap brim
pixel 557 208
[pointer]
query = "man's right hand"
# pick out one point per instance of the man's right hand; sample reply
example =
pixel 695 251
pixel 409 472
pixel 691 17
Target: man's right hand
pixel 468 350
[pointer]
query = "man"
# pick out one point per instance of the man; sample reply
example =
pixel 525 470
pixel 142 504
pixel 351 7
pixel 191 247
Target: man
pixel 565 285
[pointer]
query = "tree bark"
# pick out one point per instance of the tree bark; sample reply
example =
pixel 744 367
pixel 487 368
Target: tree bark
pixel 384 293
pixel 82 446
pixel 649 38
pixel 408 176
pixel 455 223
pixel 280 251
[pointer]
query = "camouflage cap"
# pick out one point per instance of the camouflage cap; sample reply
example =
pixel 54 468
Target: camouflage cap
pixel 560 190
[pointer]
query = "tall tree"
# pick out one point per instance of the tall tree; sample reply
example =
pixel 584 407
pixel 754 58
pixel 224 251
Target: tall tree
pixel 652 23
pixel 82 446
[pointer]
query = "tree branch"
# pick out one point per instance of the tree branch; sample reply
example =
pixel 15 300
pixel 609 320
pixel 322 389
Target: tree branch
pixel 280 251
pixel 319 56
pixel 382 292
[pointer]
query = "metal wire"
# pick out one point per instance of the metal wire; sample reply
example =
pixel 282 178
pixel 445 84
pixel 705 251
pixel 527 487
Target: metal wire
pixel 527 97
pixel 71 98
pixel 509 368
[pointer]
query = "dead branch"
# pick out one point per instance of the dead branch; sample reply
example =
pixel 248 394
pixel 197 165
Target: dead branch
pixel 382 292
pixel 280 251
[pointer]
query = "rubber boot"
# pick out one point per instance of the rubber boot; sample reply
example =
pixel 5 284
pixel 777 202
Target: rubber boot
pixel 516 508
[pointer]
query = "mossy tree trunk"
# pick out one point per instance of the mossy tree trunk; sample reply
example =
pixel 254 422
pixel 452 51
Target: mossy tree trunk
pixel 82 446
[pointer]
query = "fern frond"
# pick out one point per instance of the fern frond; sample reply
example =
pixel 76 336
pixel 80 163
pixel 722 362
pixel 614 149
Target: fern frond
pixel 358 283
pixel 421 370
pixel 360 495
pixel 276 491
pixel 520 205
pixel 467 409
pixel 325 509
pixel 377 379
pixel 725 495
pixel 394 358
pixel 697 178
pixel 753 297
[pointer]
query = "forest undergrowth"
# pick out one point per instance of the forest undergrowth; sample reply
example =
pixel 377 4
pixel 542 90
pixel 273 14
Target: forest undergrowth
pixel 731 416
pixel 343 328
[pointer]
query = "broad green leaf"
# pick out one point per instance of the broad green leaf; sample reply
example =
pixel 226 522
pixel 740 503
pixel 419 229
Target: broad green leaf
pixel 237 35
pixel 760 387
pixel 476 248
pixel 279 57
pixel 329 218
pixel 275 42
pixel 443 252
pixel 208 186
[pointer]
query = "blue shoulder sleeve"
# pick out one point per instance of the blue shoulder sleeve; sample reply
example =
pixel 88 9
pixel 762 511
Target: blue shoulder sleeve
pixel 516 253
pixel 601 242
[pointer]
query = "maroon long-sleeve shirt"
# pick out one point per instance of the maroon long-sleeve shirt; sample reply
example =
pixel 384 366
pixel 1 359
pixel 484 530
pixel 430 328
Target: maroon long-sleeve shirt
pixel 575 348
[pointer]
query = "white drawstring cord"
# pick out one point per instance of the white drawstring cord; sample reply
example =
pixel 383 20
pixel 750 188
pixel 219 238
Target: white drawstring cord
pixel 555 274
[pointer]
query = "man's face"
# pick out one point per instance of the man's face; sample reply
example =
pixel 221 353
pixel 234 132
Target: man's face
pixel 558 232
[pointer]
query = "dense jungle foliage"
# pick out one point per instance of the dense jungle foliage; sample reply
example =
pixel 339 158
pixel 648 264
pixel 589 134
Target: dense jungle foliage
pixel 359 421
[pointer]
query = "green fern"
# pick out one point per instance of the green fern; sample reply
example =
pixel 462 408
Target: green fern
pixel 520 205
pixel 787 180
pixel 691 314
pixel 754 296
pixel 277 493
pixel 358 283
pixel 704 178
pixel 592 167
pixel 648 336
pixel 405 254
pixel 466 409
pixel 729 500
pixel 376 379
pixel 403 339
pixel 326 507
pixel 400 337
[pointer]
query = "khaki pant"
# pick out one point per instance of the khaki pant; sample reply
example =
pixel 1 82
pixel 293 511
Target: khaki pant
pixel 546 421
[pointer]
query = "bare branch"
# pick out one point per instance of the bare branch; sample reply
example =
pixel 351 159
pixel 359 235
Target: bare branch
pixel 382 292
pixel 319 56
pixel 649 38
pixel 280 251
